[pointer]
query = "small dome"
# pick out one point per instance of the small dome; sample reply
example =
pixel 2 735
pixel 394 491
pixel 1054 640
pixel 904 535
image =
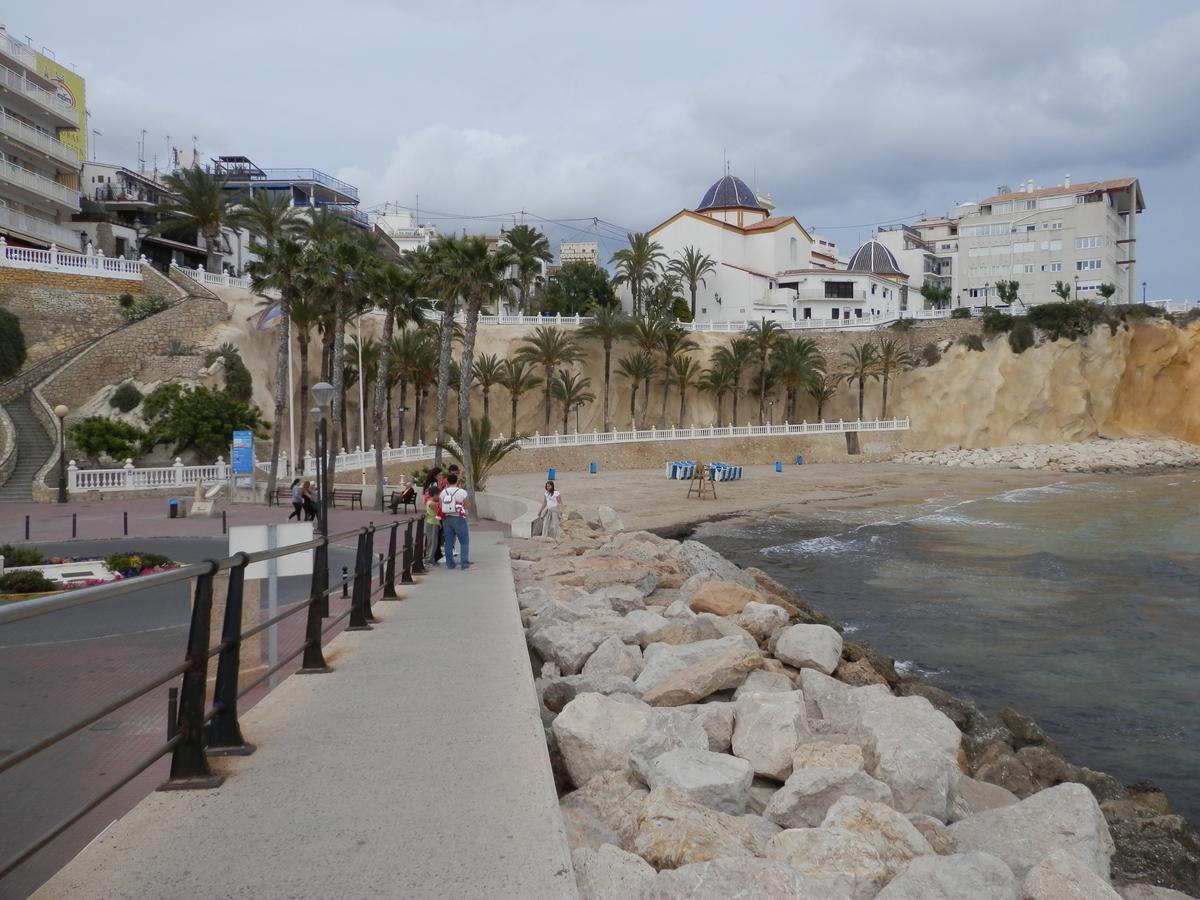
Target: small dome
pixel 875 258
pixel 729 191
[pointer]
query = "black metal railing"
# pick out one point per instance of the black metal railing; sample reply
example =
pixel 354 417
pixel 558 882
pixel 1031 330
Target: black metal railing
pixel 194 733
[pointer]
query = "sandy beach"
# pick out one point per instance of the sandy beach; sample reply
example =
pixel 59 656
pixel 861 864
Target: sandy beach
pixel 645 498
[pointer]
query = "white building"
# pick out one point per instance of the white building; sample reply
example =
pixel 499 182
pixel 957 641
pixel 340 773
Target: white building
pixel 919 257
pixel 402 229
pixel 770 267
pixel 39 174
pixel 578 251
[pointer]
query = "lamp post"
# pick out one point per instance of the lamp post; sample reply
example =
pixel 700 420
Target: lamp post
pixel 1076 287
pixel 1143 293
pixel 322 393
pixel 771 412
pixel 986 286
pixel 61 411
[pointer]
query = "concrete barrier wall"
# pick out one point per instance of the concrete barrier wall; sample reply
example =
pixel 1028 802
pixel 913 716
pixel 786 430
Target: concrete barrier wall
pixel 516 512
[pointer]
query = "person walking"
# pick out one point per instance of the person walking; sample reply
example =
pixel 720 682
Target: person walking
pixel 454 522
pixel 551 512
pixel 308 502
pixel 433 508
pixel 297 502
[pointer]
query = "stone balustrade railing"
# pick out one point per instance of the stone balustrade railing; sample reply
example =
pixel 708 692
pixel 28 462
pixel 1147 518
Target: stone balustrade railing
pixel 55 260
pixel 849 324
pixel 131 478
pixel 221 279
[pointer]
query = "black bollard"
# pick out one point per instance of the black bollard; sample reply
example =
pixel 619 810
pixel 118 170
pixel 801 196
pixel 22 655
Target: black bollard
pixel 74 526
pixel 125 523
pixel 345 582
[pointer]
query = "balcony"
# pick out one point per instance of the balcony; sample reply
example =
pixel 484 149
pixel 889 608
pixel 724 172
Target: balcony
pixel 17 51
pixel 47 101
pixel 38 140
pixel 44 188
pixel 37 229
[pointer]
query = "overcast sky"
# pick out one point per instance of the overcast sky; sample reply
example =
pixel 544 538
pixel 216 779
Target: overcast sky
pixel 849 114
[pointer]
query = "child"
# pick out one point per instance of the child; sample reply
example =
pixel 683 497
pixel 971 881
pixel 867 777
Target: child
pixel 432 511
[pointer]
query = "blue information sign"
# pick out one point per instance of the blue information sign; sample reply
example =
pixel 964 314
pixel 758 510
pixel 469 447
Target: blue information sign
pixel 243 452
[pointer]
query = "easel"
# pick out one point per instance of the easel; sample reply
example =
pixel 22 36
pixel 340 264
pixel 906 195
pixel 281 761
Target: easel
pixel 702 483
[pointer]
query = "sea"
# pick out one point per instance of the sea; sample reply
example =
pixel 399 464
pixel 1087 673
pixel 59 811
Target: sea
pixel 1076 603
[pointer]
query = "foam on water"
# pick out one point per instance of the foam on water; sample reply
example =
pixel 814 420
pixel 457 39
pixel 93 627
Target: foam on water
pixel 828 544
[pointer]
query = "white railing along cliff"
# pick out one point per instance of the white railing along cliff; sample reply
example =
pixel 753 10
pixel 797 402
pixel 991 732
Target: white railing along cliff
pixel 850 324
pixel 221 279
pixel 131 478
pixel 55 260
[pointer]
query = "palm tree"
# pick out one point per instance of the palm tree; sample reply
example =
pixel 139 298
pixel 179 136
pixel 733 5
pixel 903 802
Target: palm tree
pixel 718 381
pixel 822 388
pixel 795 363
pixel 267 216
pixel 638 265
pixel 1063 289
pixel 306 312
pixel 425 374
pixel 763 336
pixel 199 199
pixel 549 348
pixel 391 287
pixel 518 380
pixel 890 356
pixel 607 325
pixel 529 249
pixel 685 373
pixel 489 371
pixel 481 452
pixel 691 267
pixel 860 362
pixel 736 357
pixel 571 390
pixel 672 345
pixel 639 368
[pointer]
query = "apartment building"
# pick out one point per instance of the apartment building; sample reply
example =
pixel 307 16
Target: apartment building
pixel 919 257
pixel 41 147
pixel 578 251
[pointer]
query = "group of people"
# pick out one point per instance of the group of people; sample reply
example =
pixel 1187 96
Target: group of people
pixel 446 510
pixel 304 501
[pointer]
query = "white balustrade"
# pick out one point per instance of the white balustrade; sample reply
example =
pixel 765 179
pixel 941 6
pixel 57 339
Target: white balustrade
pixel 55 260
pixel 221 279
pixel 130 478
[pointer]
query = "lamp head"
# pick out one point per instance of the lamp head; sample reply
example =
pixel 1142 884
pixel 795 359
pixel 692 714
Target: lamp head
pixel 316 415
pixel 322 393
pixel 61 411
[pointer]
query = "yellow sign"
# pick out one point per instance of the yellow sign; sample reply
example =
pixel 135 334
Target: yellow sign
pixel 70 87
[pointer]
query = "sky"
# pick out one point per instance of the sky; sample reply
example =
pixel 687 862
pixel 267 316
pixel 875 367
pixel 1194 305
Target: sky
pixel 561 113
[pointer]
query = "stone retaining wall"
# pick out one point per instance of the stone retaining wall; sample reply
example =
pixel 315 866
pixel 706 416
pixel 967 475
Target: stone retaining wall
pixel 170 368
pixel 55 317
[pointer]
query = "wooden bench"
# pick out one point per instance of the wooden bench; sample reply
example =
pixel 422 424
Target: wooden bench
pixel 346 494
pixel 283 495
pixel 395 501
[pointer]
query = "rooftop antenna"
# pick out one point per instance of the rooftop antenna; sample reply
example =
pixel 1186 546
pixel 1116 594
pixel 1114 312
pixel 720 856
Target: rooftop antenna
pixel 142 153
pixel 418 215
pixel 725 160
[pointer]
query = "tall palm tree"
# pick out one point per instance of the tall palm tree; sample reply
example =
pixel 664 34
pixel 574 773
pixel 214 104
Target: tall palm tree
pixel 306 313
pixel 425 375
pixel 795 362
pixel 408 346
pixel 638 265
pixel 518 379
pixel 639 368
pixel 891 356
pixel 529 249
pixel 571 390
pixel 763 336
pixel 267 216
pixel 860 363
pixel 489 370
pixel 673 344
pixel 822 388
pixel 685 373
pixel 390 287
pixel 691 266
pixel 607 325
pixel 199 199
pixel 717 380
pixel 736 357
pixel 549 348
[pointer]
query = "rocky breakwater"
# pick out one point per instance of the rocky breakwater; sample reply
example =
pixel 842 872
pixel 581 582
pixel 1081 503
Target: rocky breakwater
pixel 712 736
pixel 1120 455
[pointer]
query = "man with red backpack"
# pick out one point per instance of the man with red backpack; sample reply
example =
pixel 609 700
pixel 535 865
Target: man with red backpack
pixel 454 522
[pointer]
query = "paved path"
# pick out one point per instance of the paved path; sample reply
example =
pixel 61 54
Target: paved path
pixel 417 769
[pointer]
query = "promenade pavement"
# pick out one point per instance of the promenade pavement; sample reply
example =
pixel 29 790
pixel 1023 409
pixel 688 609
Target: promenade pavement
pixel 418 768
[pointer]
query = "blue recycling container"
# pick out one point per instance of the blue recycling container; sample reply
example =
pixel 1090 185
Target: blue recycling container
pixel 592 468
pixel 173 507
pixel 779 465
pixel 550 475
pixel 799 460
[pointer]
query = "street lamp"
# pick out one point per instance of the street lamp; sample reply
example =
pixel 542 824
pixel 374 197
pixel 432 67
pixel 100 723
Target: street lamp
pixel 322 393
pixel 771 412
pixel 61 411
pixel 986 286
pixel 1076 287
pixel 1143 293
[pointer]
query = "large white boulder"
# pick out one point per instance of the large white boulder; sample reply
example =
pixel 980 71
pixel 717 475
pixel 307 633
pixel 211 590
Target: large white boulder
pixel 837 859
pixel 810 647
pixel 767 730
pixel 738 877
pixel 715 718
pixel 674 831
pixel 610 873
pixel 828 755
pixel 663 733
pixel 764 682
pixel 894 838
pixel 716 780
pixel 595 734
pixel 701 679
pixel 614 656
pixel 620 598
pixel 1063 876
pixel 567 645
pixel 604 811
pixel 660 661
pixel 699 559
pixel 761 619
pixel 1064 817
pixel 965 876
pixel 807 795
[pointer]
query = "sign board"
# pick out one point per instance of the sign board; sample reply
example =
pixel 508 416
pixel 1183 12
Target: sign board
pixel 201 508
pixel 68 86
pixel 254 538
pixel 243 452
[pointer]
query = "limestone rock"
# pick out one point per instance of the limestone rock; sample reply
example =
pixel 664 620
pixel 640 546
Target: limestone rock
pixel 614 656
pixel 610 873
pixel 642 579
pixel 838 860
pixel 715 718
pixel 604 811
pixel 979 796
pixel 828 755
pixel 533 598
pixel 723 598
pixel 567 645
pixel 1065 817
pixel 1063 876
pixel 595 734
pixel 621 598
pixel 699 559
pixel 809 647
pixel 716 780
pixel 858 673
pixel 663 733
pixel 608 519
pixel 599 683
pixel 1007 772
pixel 674 831
pixel 767 730
pixel 965 876
pixel 764 682
pixel 699 680
pixel 645 628
pixel 807 795
pixel 737 877
pixel 723 627
pixel 761 619
pixel 895 839
pixel 935 832
pixel 661 660
pixel 678 610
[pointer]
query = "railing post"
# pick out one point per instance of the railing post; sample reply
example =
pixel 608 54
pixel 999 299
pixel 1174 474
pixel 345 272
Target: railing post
pixel 223 735
pixel 418 566
pixel 358 603
pixel 406 572
pixel 318 607
pixel 189 764
pixel 389 569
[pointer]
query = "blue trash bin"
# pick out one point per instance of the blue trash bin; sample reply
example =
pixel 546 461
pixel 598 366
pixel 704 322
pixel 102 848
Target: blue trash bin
pixel 592 469
pixel 779 465
pixel 173 508
pixel 799 460
pixel 550 475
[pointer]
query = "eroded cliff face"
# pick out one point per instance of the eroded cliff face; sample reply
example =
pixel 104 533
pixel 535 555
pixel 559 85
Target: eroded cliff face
pixel 1145 379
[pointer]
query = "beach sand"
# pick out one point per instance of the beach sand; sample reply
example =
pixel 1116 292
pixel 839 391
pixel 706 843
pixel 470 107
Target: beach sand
pixel 645 498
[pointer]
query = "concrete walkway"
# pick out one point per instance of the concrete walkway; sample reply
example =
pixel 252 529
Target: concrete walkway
pixel 416 769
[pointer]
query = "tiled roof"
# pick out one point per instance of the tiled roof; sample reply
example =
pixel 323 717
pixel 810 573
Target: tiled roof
pixel 729 191
pixel 1082 187
pixel 874 257
pixel 770 222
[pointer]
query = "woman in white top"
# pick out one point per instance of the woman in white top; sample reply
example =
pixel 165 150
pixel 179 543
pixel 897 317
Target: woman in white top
pixel 551 512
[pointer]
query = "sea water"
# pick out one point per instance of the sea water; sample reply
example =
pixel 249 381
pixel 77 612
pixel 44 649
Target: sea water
pixel 1077 604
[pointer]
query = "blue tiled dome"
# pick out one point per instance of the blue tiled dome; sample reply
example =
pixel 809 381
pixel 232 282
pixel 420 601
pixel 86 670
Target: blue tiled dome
pixel 729 191
pixel 875 258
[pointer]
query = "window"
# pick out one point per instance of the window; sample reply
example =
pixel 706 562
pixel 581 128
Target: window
pixel 794 250
pixel 1028 269
pixel 1054 225
pixel 1023 247
pixel 704 310
pixel 839 290
pixel 858 314
pixel 973 292
pixel 1085 265
pixel 1089 198
pixel 808 312
pixel 836 312
pixel 1089 242
pixel 985 230
pixel 1030 204
pixel 1052 267
pixel 1031 228
pixel 873 289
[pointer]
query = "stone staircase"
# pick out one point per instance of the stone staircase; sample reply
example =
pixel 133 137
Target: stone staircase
pixel 33 449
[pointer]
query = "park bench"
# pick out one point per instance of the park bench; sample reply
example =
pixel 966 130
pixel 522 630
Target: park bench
pixel 346 494
pixel 397 499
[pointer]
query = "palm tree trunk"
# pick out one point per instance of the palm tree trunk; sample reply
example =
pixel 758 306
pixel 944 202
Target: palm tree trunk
pixel 546 400
pixel 645 400
pixel 682 398
pixel 281 397
pixel 736 396
pixel 422 402
pixel 566 416
pixel 339 379
pixel 513 399
pixel 662 416
pixel 443 382
pixel 633 406
pixel 883 410
pixel 487 402
pixel 692 287
pixel 388 413
pixel 400 418
pixel 303 417
pixel 381 391
pixel 212 251
pixel 466 365
pixel 762 390
pixel 862 393
pixel 607 375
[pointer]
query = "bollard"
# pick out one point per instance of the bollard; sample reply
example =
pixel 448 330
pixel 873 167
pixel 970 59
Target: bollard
pixel 125 523
pixel 223 734
pixel 74 526
pixel 418 566
pixel 362 587
pixel 345 582
pixel 172 711
pixel 381 573
pixel 407 556
pixel 27 528
pixel 222 521
pixel 389 577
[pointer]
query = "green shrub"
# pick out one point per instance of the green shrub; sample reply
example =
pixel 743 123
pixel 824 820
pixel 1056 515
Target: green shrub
pixel 12 344
pixel 21 556
pixel 930 354
pixel 196 418
pixel 962 312
pixel 995 322
pixel 136 561
pixel 26 581
pixel 238 382
pixel 99 436
pixel 972 342
pixel 178 348
pixel 1021 337
pixel 125 398
pixel 1071 320
pixel 134 309
pixel 904 324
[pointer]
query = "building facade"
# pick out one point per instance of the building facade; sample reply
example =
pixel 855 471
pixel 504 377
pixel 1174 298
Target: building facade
pixel 40 156
pixel 402 229
pixel 918 256
pixel 578 251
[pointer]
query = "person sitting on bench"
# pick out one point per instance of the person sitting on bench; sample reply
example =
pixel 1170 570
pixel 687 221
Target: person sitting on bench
pixel 404 497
